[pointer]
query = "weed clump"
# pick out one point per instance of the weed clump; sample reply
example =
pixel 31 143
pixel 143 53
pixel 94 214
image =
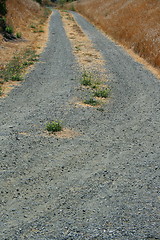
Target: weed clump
pixel 9 29
pixel 16 77
pixel 91 101
pixel 54 126
pixel 103 93
pixel 86 79
pixel 1 91
pixel 18 35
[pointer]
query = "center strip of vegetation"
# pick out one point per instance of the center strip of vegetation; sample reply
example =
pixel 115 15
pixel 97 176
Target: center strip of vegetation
pixel 91 62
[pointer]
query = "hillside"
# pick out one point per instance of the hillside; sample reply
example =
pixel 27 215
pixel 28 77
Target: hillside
pixel 27 28
pixel 134 24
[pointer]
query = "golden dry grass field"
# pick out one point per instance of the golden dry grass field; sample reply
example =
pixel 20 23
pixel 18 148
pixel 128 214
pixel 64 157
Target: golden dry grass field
pixel 135 24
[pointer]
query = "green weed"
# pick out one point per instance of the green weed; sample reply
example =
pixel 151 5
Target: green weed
pixel 32 26
pixel 54 126
pixel 92 102
pixel 104 93
pixel 1 91
pixel 18 35
pixel 9 29
pixel 16 77
pixel 86 79
pixel 14 69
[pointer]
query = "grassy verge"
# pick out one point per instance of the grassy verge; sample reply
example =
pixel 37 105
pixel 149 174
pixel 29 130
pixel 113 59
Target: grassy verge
pixel 15 68
pixel 31 40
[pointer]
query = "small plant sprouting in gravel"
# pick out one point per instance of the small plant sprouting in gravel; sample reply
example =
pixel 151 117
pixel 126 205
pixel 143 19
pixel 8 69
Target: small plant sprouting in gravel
pixel 91 101
pixel 86 79
pixel 104 93
pixel 54 126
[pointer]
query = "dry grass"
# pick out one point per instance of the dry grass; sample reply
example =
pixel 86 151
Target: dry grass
pixel 88 57
pixel 134 23
pixel 21 15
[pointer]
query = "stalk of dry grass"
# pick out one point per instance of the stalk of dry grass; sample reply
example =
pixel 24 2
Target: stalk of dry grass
pixel 135 24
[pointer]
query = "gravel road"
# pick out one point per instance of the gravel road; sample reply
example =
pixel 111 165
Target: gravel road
pixel 101 184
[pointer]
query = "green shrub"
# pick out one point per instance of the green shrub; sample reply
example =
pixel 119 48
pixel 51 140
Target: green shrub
pixel 54 126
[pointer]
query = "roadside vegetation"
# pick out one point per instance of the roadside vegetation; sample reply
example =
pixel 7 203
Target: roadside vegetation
pixel 23 33
pixel 134 24
pixel 15 68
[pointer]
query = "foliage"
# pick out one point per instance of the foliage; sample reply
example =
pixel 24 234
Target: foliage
pixel 54 126
pixel 16 66
pixel 1 91
pixel 3 9
pixel 17 77
pixel 39 1
pixel 104 93
pixel 9 29
pixel 92 102
pixel 86 79
pixel 18 35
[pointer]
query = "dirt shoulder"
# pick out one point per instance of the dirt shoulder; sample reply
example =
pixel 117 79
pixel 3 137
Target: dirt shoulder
pixel 34 37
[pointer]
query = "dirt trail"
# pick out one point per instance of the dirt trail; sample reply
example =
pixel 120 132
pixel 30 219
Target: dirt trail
pixel 101 182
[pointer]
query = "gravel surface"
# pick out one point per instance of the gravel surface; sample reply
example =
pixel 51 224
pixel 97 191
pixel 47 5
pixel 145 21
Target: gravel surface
pixel 102 184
